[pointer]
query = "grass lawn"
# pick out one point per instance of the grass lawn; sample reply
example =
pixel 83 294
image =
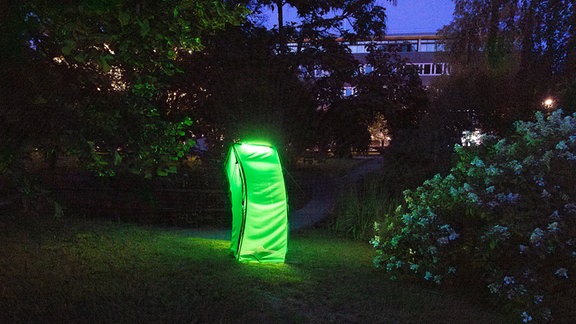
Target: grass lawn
pixel 87 271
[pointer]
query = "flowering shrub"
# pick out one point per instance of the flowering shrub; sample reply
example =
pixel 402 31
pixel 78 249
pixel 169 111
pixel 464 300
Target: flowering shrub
pixel 505 215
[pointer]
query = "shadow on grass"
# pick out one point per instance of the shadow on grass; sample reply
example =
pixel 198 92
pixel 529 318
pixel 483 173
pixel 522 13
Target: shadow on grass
pixel 112 272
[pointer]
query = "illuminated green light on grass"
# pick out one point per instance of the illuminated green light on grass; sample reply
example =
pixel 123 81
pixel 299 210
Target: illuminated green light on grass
pixel 259 203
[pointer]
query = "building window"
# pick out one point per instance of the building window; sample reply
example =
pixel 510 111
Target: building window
pixel 428 46
pixel 439 68
pixel 348 91
pixel 366 68
pixel 407 47
pixel 432 68
pixel 357 49
pixel 426 69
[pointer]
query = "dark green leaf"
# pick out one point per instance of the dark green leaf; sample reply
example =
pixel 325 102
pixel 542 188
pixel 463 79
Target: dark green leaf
pixel 124 18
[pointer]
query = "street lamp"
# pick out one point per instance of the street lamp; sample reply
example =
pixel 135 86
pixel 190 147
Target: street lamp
pixel 548 103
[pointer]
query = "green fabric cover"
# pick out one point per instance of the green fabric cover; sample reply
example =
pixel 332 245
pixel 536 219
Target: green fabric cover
pixel 259 203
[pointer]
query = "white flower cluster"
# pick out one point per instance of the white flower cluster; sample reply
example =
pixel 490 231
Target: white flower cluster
pixel 513 201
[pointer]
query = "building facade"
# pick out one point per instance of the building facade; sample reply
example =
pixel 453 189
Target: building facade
pixel 419 49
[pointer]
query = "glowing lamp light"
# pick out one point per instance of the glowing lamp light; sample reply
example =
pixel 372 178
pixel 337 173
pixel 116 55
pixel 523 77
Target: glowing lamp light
pixel 548 103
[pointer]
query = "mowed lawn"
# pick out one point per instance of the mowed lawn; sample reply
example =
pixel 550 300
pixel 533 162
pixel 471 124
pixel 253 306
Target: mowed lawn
pixel 93 271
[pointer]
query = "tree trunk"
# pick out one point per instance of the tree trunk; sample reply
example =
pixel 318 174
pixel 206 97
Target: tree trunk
pixel 281 37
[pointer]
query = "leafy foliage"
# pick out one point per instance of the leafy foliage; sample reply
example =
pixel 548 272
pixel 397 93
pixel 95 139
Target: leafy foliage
pixel 506 214
pixel 324 19
pixel 94 78
pixel 241 86
pixel 323 62
pixel 391 89
pixel 507 57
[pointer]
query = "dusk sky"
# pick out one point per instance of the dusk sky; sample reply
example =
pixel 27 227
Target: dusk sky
pixel 408 16
pixel 417 16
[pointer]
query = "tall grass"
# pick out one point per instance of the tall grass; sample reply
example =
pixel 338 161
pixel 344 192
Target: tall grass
pixel 379 194
pixel 359 206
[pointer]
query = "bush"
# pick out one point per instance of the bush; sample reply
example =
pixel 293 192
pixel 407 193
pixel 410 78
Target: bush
pixel 418 156
pixel 357 206
pixel 504 218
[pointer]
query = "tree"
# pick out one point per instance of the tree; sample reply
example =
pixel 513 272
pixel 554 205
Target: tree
pixel 317 42
pixel 319 39
pixel 392 88
pixel 349 19
pixel 92 80
pixel 507 56
pixel 252 80
pixel 242 88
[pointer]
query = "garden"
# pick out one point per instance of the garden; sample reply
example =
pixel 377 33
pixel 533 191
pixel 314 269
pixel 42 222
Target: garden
pixel 492 240
pixel 117 115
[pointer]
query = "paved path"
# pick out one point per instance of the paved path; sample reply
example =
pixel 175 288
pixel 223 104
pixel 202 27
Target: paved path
pixel 324 194
pixel 323 198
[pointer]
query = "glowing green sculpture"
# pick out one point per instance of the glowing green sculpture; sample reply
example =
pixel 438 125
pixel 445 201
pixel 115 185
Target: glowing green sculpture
pixel 259 203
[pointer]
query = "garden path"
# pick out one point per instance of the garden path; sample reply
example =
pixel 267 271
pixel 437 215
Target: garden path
pixel 323 198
